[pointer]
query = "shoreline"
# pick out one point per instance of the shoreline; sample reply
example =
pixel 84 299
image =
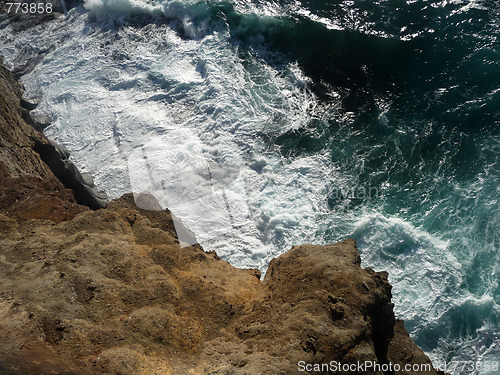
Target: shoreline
pixel 111 290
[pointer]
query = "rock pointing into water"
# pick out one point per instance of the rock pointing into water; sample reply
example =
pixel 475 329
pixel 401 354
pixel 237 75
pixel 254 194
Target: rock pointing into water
pixel 111 291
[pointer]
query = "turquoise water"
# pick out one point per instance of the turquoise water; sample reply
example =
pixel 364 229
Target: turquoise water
pixel 419 120
pixel 377 120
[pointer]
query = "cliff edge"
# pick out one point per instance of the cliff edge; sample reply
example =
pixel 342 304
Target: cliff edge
pixel 110 291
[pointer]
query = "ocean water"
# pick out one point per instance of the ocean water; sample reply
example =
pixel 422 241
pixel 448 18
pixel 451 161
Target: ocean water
pixel 316 121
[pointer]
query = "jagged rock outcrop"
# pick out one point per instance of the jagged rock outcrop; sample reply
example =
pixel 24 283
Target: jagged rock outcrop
pixel 17 138
pixel 111 291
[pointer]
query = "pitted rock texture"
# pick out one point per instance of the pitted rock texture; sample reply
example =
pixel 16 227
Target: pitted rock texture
pixel 112 292
pixel 17 138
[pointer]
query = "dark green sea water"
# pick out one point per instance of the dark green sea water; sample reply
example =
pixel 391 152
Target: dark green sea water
pixel 419 119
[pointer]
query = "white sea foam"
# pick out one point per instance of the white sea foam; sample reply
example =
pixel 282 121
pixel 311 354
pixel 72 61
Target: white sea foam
pixel 422 267
pixel 113 96
pixel 426 278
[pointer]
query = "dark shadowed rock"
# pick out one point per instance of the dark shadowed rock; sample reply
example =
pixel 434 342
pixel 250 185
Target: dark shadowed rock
pixel 29 103
pixel 25 151
pixel 33 198
pixel 41 121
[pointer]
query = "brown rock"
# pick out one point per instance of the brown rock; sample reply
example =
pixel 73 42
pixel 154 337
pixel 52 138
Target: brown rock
pixel 403 350
pixel 112 292
pixel 17 138
pixel 26 198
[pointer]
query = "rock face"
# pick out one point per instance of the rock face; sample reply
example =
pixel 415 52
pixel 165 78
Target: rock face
pixel 111 291
pixel 24 151
pixel 17 138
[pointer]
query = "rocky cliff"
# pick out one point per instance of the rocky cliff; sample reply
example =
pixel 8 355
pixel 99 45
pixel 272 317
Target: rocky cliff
pixel 110 291
pixel 25 151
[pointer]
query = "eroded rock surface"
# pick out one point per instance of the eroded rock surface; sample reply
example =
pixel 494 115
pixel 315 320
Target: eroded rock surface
pixel 17 138
pixel 111 291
